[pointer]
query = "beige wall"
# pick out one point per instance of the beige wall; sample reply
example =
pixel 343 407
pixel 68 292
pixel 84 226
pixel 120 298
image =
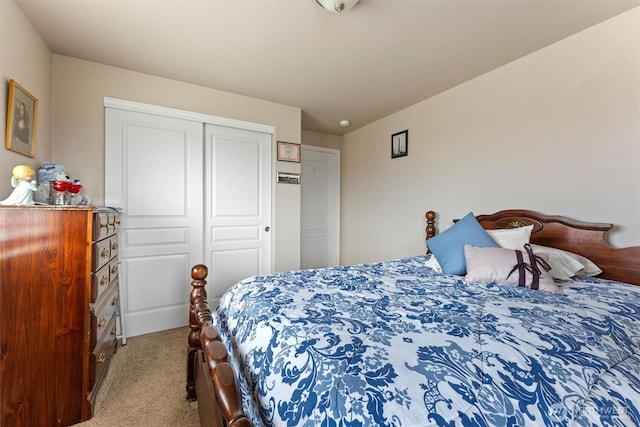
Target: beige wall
pixel 321 140
pixel 557 131
pixel 25 58
pixel 79 88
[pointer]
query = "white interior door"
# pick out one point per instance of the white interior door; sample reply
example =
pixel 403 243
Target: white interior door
pixel 320 210
pixel 153 171
pixel 237 206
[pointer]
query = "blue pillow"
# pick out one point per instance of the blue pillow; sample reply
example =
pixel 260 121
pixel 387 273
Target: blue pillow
pixel 448 246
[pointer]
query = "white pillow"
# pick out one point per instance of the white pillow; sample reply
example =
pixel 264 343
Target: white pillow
pixel 512 238
pixel 432 262
pixel 486 265
pixel 565 264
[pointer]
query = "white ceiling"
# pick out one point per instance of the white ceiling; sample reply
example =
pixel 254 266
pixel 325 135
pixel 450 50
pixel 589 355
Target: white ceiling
pixel 360 65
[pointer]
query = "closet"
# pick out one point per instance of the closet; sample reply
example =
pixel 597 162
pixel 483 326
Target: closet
pixel 192 188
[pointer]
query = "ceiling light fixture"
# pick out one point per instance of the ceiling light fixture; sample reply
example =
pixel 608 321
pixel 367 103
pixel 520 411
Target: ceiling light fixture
pixel 337 5
pixel 345 123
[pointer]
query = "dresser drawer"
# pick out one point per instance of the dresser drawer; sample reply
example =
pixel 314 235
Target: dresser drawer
pixel 102 315
pixel 114 223
pixel 113 244
pixel 99 359
pixel 101 254
pixel 101 280
pixel 103 225
pixel 103 251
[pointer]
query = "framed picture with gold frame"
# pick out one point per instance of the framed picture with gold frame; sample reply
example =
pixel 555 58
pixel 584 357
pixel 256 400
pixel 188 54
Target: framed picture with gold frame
pixel 22 120
pixel 288 152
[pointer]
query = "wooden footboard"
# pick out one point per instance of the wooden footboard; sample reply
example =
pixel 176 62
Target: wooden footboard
pixel 210 378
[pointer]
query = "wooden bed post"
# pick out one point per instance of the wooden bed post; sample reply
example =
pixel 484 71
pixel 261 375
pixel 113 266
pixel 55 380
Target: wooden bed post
pixel 431 228
pixel 210 377
pixel 199 273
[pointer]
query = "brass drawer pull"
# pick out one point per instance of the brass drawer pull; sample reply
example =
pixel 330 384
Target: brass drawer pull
pixel 114 246
pixel 115 301
pixel 114 330
pixel 114 269
pixel 105 253
pixel 101 358
pixel 104 280
pixel 103 322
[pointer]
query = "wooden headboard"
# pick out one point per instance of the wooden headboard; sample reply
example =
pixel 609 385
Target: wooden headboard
pixel 582 238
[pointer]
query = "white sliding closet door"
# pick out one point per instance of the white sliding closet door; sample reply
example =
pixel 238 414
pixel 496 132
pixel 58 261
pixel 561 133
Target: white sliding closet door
pixel 154 172
pixel 237 206
pixel 194 189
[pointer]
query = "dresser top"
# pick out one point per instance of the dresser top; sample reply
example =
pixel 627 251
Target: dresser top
pixel 61 207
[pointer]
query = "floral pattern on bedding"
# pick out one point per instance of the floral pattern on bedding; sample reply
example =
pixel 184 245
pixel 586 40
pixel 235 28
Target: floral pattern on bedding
pixel 397 344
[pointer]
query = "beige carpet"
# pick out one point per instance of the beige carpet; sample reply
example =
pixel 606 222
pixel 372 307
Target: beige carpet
pixel 145 384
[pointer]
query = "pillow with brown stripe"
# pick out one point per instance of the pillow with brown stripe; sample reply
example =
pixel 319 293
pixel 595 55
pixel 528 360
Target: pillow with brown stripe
pixel 511 267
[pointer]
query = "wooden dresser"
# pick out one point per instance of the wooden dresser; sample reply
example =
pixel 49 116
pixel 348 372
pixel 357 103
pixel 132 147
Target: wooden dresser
pixel 58 311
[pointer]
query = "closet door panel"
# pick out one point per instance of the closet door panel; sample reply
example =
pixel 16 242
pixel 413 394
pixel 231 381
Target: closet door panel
pixel 235 172
pixel 158 159
pixel 237 205
pixel 154 174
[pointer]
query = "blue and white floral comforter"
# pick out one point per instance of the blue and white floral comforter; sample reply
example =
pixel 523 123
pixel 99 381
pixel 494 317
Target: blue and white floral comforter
pixel 396 344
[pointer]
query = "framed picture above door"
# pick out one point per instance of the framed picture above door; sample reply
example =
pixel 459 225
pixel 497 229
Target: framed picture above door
pixel 288 152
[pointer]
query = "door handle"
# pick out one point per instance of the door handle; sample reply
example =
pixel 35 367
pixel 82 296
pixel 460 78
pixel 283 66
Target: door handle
pixel 267 228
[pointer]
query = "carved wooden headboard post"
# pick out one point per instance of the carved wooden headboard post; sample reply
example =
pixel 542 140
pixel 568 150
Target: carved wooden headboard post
pixel 431 227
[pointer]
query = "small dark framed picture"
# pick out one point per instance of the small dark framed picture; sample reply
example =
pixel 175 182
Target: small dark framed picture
pixel 288 152
pixel 400 144
pixel 22 119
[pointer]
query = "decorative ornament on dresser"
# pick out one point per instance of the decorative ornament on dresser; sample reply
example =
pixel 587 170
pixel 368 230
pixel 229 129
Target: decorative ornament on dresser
pixel 48 173
pixel 24 185
pixel 55 187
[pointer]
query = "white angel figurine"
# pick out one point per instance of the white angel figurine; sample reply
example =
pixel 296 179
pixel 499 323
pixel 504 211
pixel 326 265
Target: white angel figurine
pixel 23 186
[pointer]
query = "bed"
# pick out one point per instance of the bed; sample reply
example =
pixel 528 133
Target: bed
pixel 401 343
